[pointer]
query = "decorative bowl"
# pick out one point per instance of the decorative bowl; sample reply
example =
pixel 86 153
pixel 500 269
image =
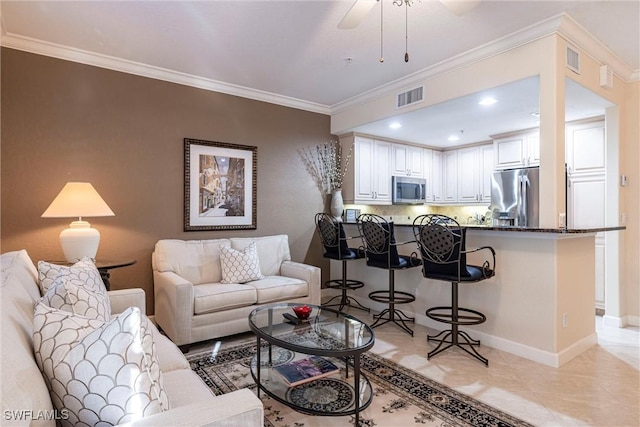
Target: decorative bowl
pixel 302 311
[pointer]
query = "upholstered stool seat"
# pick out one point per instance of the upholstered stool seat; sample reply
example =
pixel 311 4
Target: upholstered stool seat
pixel 441 242
pixel 334 241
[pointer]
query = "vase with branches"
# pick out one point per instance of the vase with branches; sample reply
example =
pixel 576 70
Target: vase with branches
pixel 325 164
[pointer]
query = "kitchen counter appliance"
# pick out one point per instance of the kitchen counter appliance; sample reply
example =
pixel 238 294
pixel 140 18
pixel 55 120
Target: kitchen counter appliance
pixel 515 197
pixel 408 191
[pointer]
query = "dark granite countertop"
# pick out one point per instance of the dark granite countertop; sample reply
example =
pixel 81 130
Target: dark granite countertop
pixel 535 229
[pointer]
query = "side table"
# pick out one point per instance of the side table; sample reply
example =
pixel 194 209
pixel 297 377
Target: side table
pixel 103 267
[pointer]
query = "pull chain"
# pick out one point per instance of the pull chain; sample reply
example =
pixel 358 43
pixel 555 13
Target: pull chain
pixel 406 31
pixel 381 31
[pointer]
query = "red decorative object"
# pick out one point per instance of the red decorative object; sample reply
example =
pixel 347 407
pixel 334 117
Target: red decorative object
pixel 302 312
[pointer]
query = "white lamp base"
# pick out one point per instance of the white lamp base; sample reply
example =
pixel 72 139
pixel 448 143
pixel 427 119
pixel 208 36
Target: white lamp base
pixel 79 241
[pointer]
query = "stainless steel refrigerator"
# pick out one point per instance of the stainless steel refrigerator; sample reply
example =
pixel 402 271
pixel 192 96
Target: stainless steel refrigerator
pixel 515 197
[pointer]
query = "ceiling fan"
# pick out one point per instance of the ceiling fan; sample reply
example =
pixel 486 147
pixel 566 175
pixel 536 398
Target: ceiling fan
pixel 361 8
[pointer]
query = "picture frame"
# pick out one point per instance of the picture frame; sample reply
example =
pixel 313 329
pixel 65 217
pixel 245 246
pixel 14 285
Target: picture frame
pixel 220 186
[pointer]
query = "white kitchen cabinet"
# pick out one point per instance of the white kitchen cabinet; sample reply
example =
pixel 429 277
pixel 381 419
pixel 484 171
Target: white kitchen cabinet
pixel 468 175
pixel 586 162
pixel 586 148
pixel 450 176
pixel 486 171
pixel 517 151
pixel 475 166
pixel 407 160
pixel 432 161
pixel 369 179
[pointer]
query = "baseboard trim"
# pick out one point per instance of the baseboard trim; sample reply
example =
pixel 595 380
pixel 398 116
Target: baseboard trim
pixel 614 322
pixel 554 360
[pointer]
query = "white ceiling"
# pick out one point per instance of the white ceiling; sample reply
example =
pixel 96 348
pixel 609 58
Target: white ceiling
pixel 293 49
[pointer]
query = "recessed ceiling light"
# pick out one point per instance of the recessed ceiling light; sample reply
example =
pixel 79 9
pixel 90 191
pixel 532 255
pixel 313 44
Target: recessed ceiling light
pixel 487 101
pixel 395 125
pixel 453 138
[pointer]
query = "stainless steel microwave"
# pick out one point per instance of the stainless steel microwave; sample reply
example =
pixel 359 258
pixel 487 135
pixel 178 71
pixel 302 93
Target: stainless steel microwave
pixel 408 191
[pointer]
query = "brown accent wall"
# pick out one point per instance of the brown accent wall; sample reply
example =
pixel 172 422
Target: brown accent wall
pixel 63 121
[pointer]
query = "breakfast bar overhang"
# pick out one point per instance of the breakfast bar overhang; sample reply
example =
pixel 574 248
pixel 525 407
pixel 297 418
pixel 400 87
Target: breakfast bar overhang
pixel 540 304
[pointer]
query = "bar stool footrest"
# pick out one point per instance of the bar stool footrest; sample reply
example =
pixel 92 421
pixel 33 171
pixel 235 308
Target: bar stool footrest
pixel 387 297
pixel 465 316
pixel 349 285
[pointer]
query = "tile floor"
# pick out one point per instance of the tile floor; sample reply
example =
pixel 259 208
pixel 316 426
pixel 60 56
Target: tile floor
pixel 601 387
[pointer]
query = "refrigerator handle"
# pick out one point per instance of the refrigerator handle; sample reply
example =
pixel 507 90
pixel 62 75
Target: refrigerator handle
pixel 524 200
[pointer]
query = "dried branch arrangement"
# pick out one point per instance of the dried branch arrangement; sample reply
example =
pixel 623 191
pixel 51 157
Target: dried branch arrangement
pixel 324 163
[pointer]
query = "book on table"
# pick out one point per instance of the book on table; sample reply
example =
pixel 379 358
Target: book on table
pixel 303 370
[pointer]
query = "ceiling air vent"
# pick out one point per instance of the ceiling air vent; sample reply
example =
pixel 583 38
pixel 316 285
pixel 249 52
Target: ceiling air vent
pixel 410 97
pixel 573 60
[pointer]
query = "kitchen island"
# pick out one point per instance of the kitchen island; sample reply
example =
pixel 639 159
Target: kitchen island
pixel 540 304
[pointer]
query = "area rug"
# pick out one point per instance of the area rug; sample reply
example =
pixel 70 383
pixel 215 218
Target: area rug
pixel 401 397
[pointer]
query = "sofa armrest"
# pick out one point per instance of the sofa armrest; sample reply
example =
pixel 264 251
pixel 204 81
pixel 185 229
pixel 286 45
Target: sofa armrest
pixel 240 408
pixel 122 299
pixel 306 272
pixel 173 300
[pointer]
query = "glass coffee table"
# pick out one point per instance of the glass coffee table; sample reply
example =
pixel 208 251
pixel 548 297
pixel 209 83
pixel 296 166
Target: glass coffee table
pixel 338 337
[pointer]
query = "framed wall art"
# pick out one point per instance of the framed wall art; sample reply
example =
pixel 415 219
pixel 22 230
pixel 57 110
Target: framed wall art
pixel 220 183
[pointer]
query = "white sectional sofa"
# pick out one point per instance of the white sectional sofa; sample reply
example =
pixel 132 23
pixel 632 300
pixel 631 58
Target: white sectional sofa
pixel 191 302
pixel 25 398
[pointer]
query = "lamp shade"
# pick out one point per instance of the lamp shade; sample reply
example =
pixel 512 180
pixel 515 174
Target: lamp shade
pixel 78 199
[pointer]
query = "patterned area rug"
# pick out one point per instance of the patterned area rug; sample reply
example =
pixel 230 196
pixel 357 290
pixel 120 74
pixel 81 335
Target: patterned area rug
pixel 401 397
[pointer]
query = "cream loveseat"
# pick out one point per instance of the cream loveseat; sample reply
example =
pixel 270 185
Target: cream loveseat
pixel 25 399
pixel 191 302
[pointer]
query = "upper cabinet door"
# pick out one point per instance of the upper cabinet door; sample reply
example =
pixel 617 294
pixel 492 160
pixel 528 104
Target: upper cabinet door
pixel 436 177
pixel 407 161
pixel 468 175
pixel 509 152
pixel 450 176
pixel 517 151
pixel 586 148
pixel 371 173
pixel 363 169
pixel 486 171
pixel 382 172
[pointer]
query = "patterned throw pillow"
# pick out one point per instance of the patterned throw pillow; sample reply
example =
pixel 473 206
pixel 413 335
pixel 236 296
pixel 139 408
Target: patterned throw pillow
pixel 98 372
pixel 240 266
pixel 85 270
pixel 70 294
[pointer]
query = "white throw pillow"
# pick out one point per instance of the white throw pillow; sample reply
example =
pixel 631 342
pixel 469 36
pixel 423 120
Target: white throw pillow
pixel 85 270
pixel 98 372
pixel 240 266
pixel 70 294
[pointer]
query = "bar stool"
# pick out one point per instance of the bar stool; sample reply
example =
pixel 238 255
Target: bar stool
pixel 334 241
pixel 381 251
pixel 441 242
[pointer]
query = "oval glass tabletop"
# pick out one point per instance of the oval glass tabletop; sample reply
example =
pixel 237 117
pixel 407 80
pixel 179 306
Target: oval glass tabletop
pixel 326 332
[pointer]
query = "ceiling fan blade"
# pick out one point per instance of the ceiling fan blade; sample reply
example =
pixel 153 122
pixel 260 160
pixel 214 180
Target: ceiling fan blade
pixel 460 7
pixel 356 14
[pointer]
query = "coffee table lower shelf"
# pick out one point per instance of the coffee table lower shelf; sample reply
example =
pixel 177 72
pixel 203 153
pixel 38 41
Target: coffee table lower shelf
pixel 328 396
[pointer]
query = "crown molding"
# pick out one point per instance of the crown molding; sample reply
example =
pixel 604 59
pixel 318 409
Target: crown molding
pixel 577 35
pixel 53 50
pixel 561 24
pixel 487 50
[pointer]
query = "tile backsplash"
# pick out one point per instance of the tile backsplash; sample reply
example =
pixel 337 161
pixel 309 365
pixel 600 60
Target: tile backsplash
pixel 405 214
